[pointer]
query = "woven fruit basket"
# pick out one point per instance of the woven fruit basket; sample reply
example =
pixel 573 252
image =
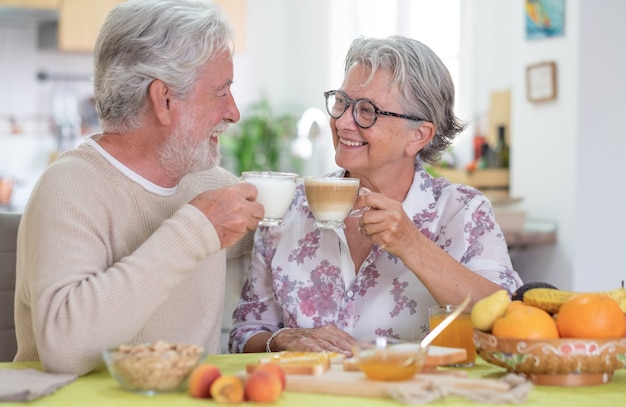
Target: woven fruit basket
pixel 560 362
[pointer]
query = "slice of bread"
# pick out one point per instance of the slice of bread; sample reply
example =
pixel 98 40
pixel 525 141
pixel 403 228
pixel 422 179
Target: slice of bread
pixel 303 363
pixel 350 365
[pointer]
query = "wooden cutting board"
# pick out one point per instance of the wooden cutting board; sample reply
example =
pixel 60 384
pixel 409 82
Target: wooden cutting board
pixel 340 382
pixel 437 356
pixel 348 380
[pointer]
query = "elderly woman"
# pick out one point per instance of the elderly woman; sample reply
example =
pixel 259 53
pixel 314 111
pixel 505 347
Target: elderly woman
pixel 423 241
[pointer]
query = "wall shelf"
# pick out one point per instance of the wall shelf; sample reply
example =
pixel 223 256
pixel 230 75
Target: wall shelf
pixel 489 178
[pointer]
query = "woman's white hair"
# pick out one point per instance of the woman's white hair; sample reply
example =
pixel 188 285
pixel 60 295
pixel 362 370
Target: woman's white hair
pixel 422 78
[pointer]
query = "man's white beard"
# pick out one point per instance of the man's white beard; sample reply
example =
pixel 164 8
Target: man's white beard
pixel 180 156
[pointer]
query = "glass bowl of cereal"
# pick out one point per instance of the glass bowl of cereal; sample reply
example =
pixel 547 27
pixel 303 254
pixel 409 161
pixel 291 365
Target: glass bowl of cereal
pixel 153 368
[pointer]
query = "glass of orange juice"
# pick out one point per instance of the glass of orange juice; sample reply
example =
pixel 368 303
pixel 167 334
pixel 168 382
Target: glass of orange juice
pixel 459 334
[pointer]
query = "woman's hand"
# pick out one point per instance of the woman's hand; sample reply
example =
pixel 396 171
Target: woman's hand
pixel 387 224
pixel 325 338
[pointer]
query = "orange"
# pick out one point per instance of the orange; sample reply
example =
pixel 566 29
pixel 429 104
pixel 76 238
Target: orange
pixel 590 315
pixel 515 303
pixel 522 321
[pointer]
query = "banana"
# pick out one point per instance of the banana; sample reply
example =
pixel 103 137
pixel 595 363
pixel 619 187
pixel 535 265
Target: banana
pixel 547 299
pixel 551 300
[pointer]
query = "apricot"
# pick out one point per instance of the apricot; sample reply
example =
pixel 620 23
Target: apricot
pixel 227 389
pixel 263 387
pixel 276 370
pixel 201 379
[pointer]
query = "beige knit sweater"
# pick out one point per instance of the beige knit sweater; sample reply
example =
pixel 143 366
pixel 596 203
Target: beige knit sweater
pixel 104 260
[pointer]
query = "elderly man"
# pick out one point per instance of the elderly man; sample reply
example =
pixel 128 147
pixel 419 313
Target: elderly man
pixel 125 238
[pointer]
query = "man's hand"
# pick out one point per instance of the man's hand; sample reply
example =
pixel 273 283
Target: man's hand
pixel 232 211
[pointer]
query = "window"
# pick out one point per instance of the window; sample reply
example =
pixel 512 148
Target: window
pixel 436 23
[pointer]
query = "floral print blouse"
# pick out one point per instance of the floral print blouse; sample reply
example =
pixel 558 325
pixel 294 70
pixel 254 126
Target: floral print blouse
pixel 302 276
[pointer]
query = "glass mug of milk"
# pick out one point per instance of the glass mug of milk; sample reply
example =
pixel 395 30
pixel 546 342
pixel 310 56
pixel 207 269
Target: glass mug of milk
pixel 275 192
pixel 330 200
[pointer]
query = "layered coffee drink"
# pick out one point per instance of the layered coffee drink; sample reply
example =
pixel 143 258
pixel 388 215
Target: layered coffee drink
pixel 330 199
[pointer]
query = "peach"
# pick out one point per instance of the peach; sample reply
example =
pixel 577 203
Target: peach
pixel 227 389
pixel 276 370
pixel 201 379
pixel 263 387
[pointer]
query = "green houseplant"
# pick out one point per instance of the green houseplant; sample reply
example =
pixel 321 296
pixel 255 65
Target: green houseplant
pixel 258 141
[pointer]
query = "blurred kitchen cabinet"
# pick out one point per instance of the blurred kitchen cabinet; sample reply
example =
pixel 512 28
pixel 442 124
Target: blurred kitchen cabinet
pixel 80 22
pixel 35 4
pixel 235 10
pixel 488 178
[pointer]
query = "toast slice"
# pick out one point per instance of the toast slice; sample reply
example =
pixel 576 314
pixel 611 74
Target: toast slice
pixel 302 363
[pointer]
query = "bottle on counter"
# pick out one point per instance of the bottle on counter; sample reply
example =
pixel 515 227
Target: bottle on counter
pixel 501 151
pixel 487 157
pixel 479 140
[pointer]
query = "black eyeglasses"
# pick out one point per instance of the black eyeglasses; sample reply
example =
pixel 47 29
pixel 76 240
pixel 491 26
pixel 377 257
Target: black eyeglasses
pixel 365 112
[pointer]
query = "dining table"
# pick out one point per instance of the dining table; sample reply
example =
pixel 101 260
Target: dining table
pixel 98 388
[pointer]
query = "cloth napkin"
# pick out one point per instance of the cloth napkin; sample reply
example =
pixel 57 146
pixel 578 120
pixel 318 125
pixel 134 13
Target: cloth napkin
pixel 30 384
pixel 510 388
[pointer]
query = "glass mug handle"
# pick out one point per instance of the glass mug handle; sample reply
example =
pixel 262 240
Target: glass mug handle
pixel 357 213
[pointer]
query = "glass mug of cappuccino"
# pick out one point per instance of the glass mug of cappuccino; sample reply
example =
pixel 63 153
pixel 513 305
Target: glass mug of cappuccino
pixel 275 192
pixel 330 200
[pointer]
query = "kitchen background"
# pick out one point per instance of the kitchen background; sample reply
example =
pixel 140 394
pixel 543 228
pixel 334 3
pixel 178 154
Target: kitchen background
pixel 566 153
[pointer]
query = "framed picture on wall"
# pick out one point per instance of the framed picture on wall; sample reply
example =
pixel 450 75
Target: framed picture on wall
pixel 544 18
pixel 541 82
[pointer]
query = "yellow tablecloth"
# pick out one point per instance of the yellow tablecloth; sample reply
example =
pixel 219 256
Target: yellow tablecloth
pixel 99 389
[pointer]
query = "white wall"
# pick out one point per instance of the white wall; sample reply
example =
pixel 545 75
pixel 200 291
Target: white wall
pixel 600 218
pixel 567 153
pixel 543 162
